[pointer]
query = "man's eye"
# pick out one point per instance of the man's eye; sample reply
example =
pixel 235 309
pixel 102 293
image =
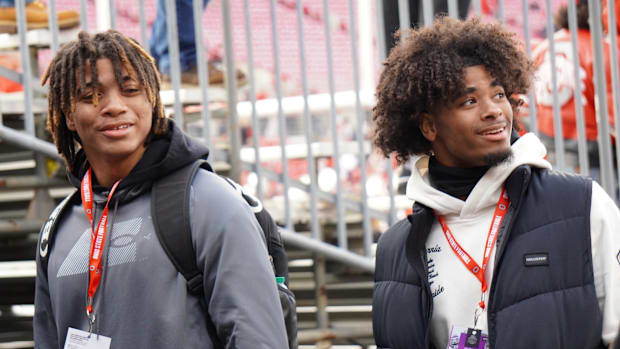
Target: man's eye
pixel 469 101
pixel 500 95
pixel 89 96
pixel 132 90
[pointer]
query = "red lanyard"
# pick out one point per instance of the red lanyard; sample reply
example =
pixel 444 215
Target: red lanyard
pixel 97 236
pixel 470 263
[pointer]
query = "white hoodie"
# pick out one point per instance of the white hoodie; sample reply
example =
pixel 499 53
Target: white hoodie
pixel 457 292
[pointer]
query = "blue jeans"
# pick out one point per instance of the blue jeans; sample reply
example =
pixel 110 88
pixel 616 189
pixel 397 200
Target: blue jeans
pixel 187 40
pixel 11 3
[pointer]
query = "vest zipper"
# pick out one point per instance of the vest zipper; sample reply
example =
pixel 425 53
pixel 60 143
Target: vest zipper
pixel 428 299
pixel 508 224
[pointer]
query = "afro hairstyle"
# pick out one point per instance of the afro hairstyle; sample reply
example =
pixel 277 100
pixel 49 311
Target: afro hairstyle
pixel 426 70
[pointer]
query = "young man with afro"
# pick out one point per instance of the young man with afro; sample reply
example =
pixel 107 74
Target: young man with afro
pixel 108 282
pixel 500 250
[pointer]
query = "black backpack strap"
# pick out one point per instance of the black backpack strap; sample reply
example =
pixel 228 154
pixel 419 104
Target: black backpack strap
pixel 170 214
pixel 48 230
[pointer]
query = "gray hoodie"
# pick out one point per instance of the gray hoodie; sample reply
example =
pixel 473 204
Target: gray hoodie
pixel 143 301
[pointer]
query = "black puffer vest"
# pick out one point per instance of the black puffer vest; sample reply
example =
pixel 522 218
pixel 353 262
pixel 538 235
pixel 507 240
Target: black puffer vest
pixel 552 305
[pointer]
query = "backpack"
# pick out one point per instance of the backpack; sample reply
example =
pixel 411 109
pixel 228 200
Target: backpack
pixel 170 210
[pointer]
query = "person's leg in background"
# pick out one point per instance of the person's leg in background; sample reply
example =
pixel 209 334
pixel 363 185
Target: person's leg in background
pixel 463 8
pixel 441 6
pixel 187 39
pixel 36 16
pixel 187 44
pixel 391 21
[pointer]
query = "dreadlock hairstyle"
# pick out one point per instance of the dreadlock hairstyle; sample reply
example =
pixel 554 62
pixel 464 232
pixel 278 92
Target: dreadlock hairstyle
pixel 425 71
pixel 67 78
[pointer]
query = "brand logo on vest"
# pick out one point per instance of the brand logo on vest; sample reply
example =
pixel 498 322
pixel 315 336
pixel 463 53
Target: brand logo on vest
pixel 618 257
pixel 536 259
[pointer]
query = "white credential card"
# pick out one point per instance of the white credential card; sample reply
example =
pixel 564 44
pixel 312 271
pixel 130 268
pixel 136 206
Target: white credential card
pixel 78 339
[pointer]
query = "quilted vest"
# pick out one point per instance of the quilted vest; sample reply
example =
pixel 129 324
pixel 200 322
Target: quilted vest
pixel 547 301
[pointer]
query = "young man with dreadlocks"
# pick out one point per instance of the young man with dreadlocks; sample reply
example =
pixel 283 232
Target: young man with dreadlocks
pixel 107 120
pixel 500 251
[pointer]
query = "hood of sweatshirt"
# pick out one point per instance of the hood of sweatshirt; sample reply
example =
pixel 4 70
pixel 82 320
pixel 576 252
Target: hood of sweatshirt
pixel 163 155
pixel 527 150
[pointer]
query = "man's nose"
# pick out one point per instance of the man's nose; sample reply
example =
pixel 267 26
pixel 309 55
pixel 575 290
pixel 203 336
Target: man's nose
pixel 114 104
pixel 490 109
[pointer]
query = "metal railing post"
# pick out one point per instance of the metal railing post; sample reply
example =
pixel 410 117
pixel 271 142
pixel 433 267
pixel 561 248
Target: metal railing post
pixel 281 117
pixel 615 83
pixel 142 18
pixel 427 11
pixel 361 121
pixel 255 133
pixel 582 149
pixel 104 16
pixel 203 74
pixel 309 133
pixel 52 20
pixel 320 292
pixel 83 15
pixel 231 89
pixel 528 48
pixel 477 8
pixel 403 16
pixel 500 11
pixel 557 117
pixel 382 56
pixel 175 64
pixel 600 85
pixel 453 10
pixel 112 14
pixel 24 50
pixel 340 224
pixel 380 31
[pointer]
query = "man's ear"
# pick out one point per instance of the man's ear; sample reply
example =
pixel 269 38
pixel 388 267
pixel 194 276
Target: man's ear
pixel 70 122
pixel 427 127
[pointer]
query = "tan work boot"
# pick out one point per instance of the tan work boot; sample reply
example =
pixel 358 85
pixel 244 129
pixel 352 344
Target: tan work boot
pixel 216 77
pixel 36 18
